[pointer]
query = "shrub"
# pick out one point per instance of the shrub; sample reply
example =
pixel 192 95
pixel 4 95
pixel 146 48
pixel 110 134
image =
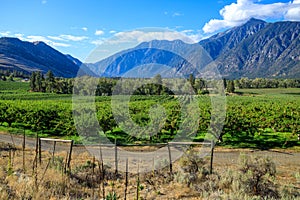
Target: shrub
pixel 192 168
pixel 256 177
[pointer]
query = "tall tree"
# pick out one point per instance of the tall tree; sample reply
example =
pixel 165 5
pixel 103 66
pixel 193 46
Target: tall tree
pixel 32 81
pixel 192 81
pixel 39 81
pixel 50 81
pixel 158 82
pixel 230 86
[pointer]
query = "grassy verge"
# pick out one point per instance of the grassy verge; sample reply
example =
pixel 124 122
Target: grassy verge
pixel 266 139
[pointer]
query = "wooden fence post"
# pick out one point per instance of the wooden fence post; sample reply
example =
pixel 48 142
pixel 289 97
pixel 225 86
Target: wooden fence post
pixel 116 157
pixel 23 150
pixel 138 183
pixel 170 159
pixel 53 152
pixel 36 149
pixel 126 180
pixel 70 155
pixel 212 156
pixel 40 151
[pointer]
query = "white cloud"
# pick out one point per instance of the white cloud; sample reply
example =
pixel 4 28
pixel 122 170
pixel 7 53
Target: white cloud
pixel 145 36
pixel 238 13
pixel 19 36
pixel 177 14
pixel 56 38
pixel 173 14
pixel 187 31
pixel 84 28
pixel 5 34
pixel 97 42
pixel 15 35
pixel 68 38
pixel 293 14
pixel 112 31
pixel 59 44
pixel 73 38
pixel 99 32
pixel 34 38
pixel 194 35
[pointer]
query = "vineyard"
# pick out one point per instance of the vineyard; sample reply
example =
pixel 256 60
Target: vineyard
pixel 256 118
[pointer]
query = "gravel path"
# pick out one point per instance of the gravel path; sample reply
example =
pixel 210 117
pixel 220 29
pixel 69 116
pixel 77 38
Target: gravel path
pixel 286 161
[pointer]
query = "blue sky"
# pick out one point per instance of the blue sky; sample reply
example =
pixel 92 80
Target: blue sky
pixel 77 27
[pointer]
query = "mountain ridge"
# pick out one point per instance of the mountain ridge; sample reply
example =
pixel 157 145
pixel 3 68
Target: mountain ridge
pixel 272 52
pixel 256 49
pixel 36 56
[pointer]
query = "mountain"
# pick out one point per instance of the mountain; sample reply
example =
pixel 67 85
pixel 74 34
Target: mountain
pixel 257 49
pixel 225 41
pixel 254 49
pixel 168 58
pixel 36 56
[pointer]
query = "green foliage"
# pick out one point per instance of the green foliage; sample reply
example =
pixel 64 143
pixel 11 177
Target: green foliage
pixel 111 196
pixel 230 87
pixel 259 118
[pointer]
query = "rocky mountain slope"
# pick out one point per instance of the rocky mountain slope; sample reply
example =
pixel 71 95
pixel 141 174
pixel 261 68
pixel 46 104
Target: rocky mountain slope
pixel 37 56
pixel 255 49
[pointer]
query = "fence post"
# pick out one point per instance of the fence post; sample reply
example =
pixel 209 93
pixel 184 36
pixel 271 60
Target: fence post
pixel 36 149
pixel 93 177
pixel 53 152
pixel 70 155
pixel 103 181
pixel 116 157
pixel 138 183
pixel 126 180
pixel 23 150
pixel 170 158
pixel 212 156
pixel 40 151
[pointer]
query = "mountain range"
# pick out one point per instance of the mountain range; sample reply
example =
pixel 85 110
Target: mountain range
pixel 257 49
pixel 37 56
pixel 254 49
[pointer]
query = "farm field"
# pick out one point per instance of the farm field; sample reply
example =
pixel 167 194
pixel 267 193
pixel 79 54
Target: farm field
pixel 259 139
pixel 255 118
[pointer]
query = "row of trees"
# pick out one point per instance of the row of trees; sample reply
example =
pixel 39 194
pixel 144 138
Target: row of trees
pixel 155 86
pixel 49 83
pixel 267 83
pixel 6 74
pixel 139 86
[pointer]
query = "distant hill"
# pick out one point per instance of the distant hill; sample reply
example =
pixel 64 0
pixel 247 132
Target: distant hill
pixel 150 58
pixel 255 49
pixel 36 56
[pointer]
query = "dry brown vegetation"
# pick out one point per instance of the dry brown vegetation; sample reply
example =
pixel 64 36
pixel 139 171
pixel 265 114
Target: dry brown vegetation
pixel 253 178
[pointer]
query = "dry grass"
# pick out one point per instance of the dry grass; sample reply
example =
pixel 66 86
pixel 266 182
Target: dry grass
pixel 190 180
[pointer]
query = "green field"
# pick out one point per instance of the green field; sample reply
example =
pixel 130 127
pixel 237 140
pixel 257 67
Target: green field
pixel 255 118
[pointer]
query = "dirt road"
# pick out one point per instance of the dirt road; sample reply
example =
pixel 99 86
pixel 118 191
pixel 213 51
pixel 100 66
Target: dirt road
pixel 287 162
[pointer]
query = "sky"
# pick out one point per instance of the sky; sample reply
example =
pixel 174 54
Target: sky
pixel 78 27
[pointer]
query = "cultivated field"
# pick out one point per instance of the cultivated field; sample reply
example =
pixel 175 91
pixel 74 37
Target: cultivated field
pixel 258 156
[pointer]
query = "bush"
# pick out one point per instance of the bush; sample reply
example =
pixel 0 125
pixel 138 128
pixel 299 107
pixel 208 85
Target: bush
pixel 256 177
pixel 192 169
